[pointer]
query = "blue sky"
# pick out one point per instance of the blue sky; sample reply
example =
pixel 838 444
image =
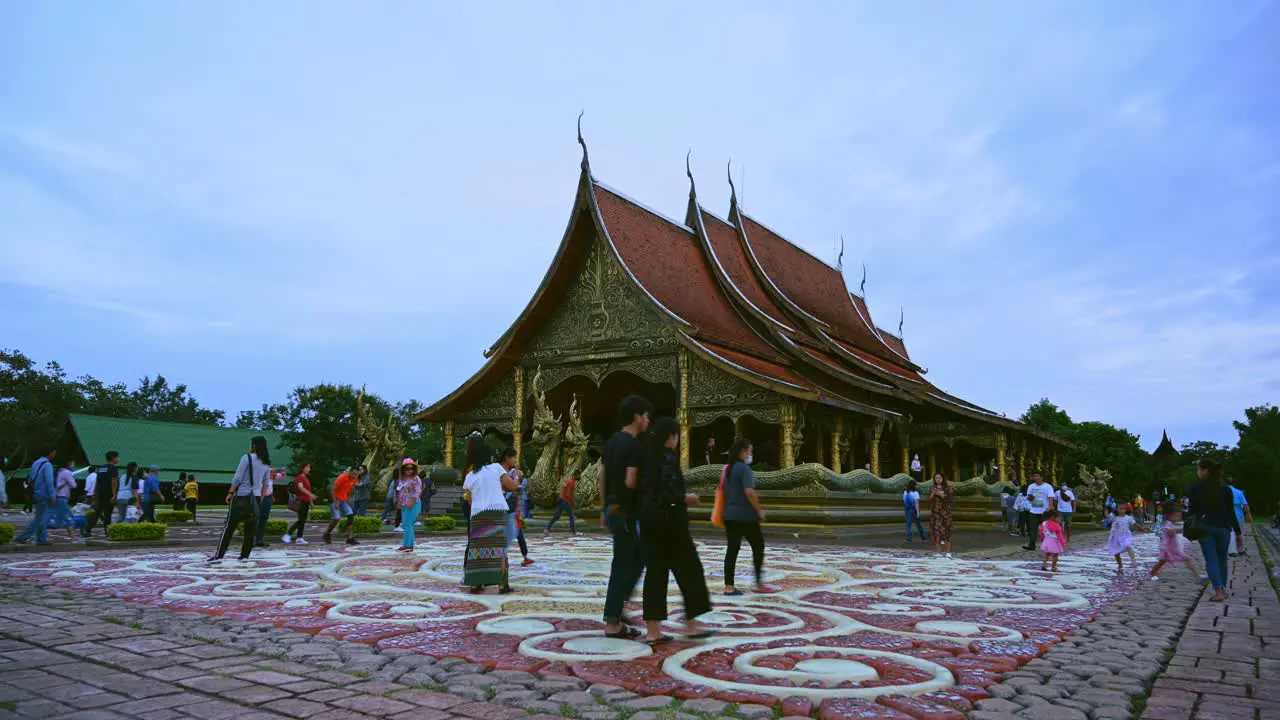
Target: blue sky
pixel 1072 200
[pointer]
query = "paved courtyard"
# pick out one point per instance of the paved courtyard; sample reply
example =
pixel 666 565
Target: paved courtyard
pixel 336 631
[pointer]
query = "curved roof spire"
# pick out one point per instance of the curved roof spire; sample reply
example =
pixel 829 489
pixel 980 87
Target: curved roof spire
pixel 689 171
pixel 840 257
pixel 902 316
pixel 733 191
pixel 862 289
pixel 586 162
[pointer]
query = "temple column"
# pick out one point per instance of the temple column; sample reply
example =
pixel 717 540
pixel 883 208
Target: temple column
pixel 448 443
pixel 1001 473
pixel 1022 464
pixel 932 466
pixel 875 447
pixel 837 442
pixel 905 438
pixel 955 464
pixel 517 418
pixel 786 435
pixel 737 427
pixel 682 413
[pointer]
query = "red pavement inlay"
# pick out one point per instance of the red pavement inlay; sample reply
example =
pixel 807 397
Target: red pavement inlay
pixel 850 634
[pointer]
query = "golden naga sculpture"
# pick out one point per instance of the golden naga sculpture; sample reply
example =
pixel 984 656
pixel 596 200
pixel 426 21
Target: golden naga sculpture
pixel 544 483
pixel 384 447
pixel 575 445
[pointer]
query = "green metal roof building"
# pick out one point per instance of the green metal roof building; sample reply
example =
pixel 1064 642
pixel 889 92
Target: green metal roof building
pixel 210 451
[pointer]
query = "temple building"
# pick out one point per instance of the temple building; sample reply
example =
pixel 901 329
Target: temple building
pixel 735 331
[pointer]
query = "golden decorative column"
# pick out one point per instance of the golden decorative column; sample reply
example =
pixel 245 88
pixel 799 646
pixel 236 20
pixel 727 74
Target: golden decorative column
pixel 837 444
pixel 1040 459
pixel 682 413
pixel 932 465
pixel 1001 473
pixel 1022 464
pixel 737 427
pixel 906 458
pixel 786 435
pixel 955 465
pixel 875 447
pixel 517 417
pixel 448 443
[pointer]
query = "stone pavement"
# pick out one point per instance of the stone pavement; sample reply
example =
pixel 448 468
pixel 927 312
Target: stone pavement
pixel 84 652
pixel 1227 664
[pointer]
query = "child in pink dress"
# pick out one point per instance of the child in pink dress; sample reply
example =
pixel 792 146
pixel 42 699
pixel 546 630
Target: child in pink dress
pixel 1051 540
pixel 1171 548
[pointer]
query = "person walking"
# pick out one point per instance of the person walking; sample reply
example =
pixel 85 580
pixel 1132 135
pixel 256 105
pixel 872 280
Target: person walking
pixel 90 484
pixel 64 485
pixel 389 508
pixel 40 476
pixel 104 493
pixel 487 542
pixel 409 497
pixel 664 534
pixel 247 487
pixel 264 505
pixel 1240 505
pixel 1066 508
pixel 125 495
pixel 623 460
pixel 1052 543
pixel 564 504
pixel 742 516
pixel 149 493
pixel 515 512
pixel 911 508
pixel 191 496
pixel 178 491
pixel 1041 497
pixel 302 490
pixel 341 508
pixel 363 492
pixel 941 500
pixel 1214 520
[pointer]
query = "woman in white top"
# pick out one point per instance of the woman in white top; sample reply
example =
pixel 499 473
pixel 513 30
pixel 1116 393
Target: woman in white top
pixel 486 559
pixel 244 496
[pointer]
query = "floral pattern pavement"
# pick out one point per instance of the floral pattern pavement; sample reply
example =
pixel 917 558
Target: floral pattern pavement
pixel 853 630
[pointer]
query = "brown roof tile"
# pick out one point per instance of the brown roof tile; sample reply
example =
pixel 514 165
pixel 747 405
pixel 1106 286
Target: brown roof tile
pixel 665 258
pixel 733 258
pixel 765 368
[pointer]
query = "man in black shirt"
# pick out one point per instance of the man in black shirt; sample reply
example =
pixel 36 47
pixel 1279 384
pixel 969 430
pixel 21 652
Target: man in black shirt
pixel 104 494
pixel 623 456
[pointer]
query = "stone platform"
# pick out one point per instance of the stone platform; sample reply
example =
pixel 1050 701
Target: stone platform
pixel 851 634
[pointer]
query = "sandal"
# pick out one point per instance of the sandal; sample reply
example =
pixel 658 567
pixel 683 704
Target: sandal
pixel 734 593
pixel 657 641
pixel 701 635
pixel 626 633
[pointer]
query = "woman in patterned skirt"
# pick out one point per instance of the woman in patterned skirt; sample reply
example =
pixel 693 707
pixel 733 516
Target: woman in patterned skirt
pixel 486 559
pixel 941 497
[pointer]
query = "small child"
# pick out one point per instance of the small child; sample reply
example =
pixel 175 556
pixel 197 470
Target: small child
pixel 1171 547
pixel 1051 540
pixel 1121 539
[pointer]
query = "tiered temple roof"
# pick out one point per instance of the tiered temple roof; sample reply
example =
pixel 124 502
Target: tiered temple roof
pixel 743 297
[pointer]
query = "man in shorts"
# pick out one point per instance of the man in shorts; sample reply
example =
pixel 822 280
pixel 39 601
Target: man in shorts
pixel 341 508
pixel 1066 508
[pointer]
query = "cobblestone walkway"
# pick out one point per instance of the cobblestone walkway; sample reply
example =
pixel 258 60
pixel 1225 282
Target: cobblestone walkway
pixel 1227 664
pixel 88 653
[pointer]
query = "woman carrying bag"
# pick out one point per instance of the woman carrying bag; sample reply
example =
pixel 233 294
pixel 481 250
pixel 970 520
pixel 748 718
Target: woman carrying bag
pixel 244 497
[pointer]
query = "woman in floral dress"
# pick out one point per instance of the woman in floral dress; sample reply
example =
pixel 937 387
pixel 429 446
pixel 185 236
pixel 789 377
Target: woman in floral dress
pixel 940 500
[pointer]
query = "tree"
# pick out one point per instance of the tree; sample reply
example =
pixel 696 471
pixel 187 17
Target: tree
pixel 1097 445
pixel 156 400
pixel 1255 467
pixel 1194 452
pixel 1047 416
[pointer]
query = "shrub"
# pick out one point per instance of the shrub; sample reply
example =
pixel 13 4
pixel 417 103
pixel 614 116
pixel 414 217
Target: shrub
pixel 274 527
pixel 367 525
pixel 173 516
pixel 7 532
pixel 320 514
pixel 440 523
pixel 137 531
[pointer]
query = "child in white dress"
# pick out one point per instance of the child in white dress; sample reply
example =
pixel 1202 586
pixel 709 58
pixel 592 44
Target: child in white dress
pixel 1121 538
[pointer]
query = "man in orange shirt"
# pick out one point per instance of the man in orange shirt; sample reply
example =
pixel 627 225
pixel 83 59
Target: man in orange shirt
pixel 341 508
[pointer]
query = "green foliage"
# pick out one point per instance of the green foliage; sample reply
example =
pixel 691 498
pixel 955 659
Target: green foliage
pixel 7 532
pixel 1255 466
pixel 274 526
pixel 1194 452
pixel 173 516
pixel 320 514
pixel 1097 445
pixel 368 525
pixel 440 523
pixel 1047 416
pixel 319 425
pixel 137 531
pixel 35 402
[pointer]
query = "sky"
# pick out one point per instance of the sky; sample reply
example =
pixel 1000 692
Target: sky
pixel 1078 201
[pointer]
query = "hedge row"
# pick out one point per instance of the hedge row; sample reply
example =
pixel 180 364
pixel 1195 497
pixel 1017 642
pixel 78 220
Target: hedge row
pixel 173 516
pixel 7 532
pixel 137 531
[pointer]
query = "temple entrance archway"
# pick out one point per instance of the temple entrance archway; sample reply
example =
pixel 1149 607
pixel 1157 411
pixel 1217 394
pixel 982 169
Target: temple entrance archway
pixel 599 405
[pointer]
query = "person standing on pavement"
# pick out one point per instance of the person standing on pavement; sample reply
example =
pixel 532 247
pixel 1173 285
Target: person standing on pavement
pixel 941 499
pixel 264 506
pixel 911 508
pixel 302 489
pixel 105 488
pixel 1066 508
pixel 90 484
pixel 4 488
pixel 1215 518
pixel 623 462
pixel 389 506
pixel 243 497
pixel 363 492
pixel 341 508
pixel 1240 505
pixel 515 513
pixel 409 497
pixel 63 486
pixel 125 496
pixel 176 493
pixel 42 496
pixel 1040 495
pixel 149 493
pixel 191 496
